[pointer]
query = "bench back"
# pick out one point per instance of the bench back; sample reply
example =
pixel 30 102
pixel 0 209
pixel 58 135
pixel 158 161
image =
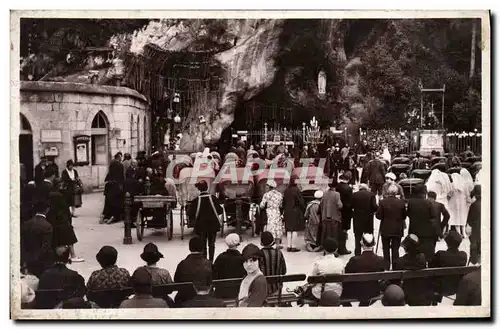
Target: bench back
pixel 391 275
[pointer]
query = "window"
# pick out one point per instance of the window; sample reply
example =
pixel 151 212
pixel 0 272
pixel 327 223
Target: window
pixel 99 120
pixel 139 146
pixel 99 139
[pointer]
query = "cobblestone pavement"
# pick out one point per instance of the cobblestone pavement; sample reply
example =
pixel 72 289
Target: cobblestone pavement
pixel 92 236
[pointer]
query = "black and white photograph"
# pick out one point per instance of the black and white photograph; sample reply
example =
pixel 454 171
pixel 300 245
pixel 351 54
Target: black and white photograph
pixel 250 165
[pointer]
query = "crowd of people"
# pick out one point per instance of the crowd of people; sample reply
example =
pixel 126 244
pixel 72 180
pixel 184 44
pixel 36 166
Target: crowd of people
pixel 445 207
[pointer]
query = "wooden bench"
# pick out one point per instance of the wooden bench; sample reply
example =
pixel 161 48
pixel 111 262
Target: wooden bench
pixel 388 276
pixel 275 299
pixel 112 298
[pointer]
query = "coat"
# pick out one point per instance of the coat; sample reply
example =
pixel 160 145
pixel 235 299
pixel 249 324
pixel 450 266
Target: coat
pixel 469 290
pixel 376 171
pixel 440 210
pixel 345 192
pixel 448 258
pixel 115 172
pixel 228 265
pixel 39 174
pixel 418 291
pixel 422 218
pixel 392 214
pixel 193 266
pixel 59 217
pixel 367 262
pixel 36 243
pixel 272 262
pixel 330 206
pixel 72 188
pixel 205 210
pixel 293 209
pixel 474 221
pixel 60 277
pixel 364 205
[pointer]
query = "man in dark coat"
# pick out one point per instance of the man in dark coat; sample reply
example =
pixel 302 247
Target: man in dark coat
pixel 188 269
pixel 203 298
pixel 116 171
pixel 392 215
pixel 418 162
pixel 40 171
pixel 474 222
pixel 452 257
pixel 440 213
pixel 44 188
pixel 418 291
pixel 36 240
pixel 469 290
pixel 367 262
pixel 345 191
pixel 331 217
pixel 423 222
pixel 229 265
pixel 376 170
pixel 364 205
pixel 293 213
pixel 206 210
pixel 59 276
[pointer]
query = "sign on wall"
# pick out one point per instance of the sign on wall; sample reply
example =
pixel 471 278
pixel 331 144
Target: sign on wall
pixel 51 136
pixel 81 144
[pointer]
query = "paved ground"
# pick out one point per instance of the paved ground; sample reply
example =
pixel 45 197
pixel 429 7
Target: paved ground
pixel 92 236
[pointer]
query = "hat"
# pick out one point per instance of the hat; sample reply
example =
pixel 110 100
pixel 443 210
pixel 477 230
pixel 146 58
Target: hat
pixel 266 239
pixel 318 194
pixel 232 240
pixel 271 183
pixel 390 175
pixel 250 251
pixel 141 277
pixel 202 186
pixel 453 239
pixel 393 296
pixel 27 294
pixel 196 244
pixel 411 242
pixel 364 186
pixel 329 298
pixel 367 240
pixel 330 245
pixel 107 256
pixel 151 253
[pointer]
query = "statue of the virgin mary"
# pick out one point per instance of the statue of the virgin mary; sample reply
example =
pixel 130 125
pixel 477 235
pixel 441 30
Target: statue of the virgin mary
pixel 322 83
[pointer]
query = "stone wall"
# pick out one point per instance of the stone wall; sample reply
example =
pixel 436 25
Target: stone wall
pixel 71 108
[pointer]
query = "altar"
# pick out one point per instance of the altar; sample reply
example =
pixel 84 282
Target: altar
pixel 431 140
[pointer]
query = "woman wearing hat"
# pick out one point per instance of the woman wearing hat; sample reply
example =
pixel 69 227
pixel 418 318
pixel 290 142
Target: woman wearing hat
pixel 72 187
pixel 151 255
pixel 293 213
pixel 312 223
pixel 60 219
pixel 272 202
pixel 253 288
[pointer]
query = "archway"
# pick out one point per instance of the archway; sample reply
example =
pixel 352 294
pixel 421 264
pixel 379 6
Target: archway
pixel 25 149
pixel 100 148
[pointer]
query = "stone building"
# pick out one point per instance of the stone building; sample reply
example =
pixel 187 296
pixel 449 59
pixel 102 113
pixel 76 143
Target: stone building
pixel 86 123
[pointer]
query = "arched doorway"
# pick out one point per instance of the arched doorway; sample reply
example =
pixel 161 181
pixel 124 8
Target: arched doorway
pixel 25 149
pixel 100 147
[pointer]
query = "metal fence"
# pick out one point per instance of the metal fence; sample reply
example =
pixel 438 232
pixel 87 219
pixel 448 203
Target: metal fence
pixel 409 141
